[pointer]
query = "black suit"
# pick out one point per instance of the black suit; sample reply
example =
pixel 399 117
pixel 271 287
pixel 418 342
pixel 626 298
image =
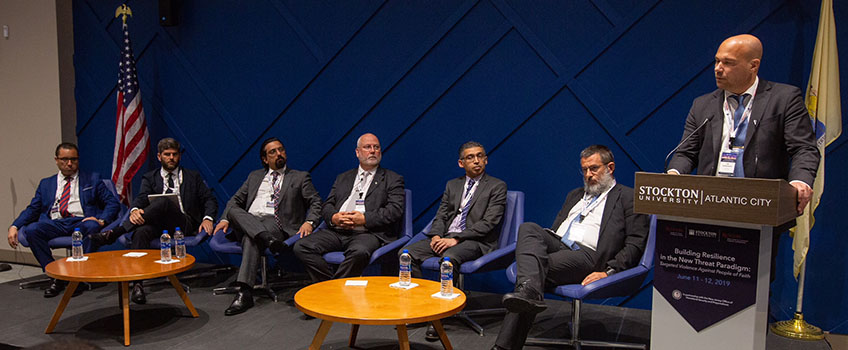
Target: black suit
pixel 384 209
pixel 197 199
pixel 780 143
pixel 543 260
pixel 299 202
pixel 482 224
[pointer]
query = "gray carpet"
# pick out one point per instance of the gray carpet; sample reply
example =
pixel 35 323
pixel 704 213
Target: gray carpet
pixel 165 323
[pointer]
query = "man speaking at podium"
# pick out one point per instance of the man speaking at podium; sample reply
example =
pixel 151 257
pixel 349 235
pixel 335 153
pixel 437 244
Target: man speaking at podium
pixel 749 127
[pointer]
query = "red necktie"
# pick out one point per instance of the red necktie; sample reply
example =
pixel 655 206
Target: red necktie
pixel 65 198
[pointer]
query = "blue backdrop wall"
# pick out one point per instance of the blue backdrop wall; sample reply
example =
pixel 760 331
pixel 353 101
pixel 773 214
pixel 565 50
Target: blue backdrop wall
pixel 534 81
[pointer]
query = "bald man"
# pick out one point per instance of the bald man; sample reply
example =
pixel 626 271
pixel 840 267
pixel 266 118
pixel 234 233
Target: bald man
pixel 768 134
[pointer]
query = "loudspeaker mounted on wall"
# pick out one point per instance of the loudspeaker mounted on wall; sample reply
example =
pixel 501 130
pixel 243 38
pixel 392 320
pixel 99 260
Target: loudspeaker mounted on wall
pixel 169 14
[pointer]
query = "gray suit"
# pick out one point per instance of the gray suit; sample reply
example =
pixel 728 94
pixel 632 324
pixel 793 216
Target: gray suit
pixel 299 202
pixel 482 225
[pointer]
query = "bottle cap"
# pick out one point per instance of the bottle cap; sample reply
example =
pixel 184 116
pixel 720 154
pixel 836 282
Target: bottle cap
pixel 76 229
pixel 406 251
pixel 447 258
pixel 178 228
pixel 164 231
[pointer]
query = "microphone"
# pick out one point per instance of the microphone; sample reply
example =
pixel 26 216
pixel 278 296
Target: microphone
pixel 665 165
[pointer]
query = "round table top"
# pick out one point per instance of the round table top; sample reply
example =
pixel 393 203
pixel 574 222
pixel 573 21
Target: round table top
pixel 376 303
pixel 112 266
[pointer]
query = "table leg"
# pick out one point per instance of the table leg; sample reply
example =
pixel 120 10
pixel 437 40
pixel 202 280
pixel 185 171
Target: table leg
pixel 125 305
pixel 403 337
pixel 437 324
pixel 323 329
pixel 176 283
pixel 69 292
pixel 354 329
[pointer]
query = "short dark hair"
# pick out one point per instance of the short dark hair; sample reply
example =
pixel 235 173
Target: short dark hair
pixel 66 145
pixel 470 144
pixel 168 143
pixel 603 151
pixel 262 148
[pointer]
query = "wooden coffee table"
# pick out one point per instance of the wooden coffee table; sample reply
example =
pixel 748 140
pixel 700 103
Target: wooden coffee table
pixel 376 304
pixel 112 266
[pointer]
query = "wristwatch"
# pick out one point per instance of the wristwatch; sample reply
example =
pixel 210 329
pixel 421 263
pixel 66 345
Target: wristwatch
pixel 311 223
pixel 610 271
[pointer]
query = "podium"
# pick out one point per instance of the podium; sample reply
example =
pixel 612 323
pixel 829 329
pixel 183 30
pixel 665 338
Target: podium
pixel 711 271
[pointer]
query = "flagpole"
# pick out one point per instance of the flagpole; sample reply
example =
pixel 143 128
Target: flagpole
pixel 797 328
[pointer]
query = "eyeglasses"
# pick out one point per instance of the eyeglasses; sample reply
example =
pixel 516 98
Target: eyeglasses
pixel 65 159
pixel 471 157
pixel 592 169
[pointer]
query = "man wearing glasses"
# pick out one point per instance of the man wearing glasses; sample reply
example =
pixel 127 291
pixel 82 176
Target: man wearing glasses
pixel 466 223
pixel 364 210
pixel 71 199
pixel 594 235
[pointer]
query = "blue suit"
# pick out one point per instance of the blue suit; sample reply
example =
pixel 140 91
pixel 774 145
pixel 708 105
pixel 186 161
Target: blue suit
pixel 95 198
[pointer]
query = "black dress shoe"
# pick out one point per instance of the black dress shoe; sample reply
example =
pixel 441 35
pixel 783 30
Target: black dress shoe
pixel 495 347
pixel 431 334
pixel 524 300
pixel 55 288
pixel 104 238
pixel 273 244
pixel 242 302
pixel 137 295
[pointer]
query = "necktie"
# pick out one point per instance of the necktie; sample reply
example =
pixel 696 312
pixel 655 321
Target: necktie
pixel 170 183
pixel 467 206
pixel 741 131
pixel 569 243
pixel 275 197
pixel 65 198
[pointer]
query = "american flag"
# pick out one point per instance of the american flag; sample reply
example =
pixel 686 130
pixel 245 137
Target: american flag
pixel 131 137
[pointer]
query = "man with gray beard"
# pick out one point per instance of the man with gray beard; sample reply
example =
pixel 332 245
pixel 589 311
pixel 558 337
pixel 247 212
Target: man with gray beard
pixel 594 235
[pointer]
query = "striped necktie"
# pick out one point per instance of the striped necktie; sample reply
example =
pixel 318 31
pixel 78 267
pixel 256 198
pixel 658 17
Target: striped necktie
pixel 275 197
pixel 741 132
pixel 464 214
pixel 66 197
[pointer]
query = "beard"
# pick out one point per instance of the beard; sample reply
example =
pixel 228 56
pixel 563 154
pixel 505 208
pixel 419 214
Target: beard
pixel 604 183
pixel 280 162
pixel 170 166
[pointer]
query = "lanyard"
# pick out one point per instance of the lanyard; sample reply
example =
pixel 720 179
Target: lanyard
pixel 728 115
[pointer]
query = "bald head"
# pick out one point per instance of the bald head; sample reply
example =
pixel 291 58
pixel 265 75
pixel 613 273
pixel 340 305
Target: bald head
pixel 737 62
pixel 368 151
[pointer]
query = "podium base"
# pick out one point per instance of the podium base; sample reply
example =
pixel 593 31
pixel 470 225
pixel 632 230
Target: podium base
pixel 797 328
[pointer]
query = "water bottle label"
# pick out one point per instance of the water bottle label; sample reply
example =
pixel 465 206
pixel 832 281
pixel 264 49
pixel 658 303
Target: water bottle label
pixel 405 268
pixel 180 242
pixel 166 245
pixel 77 243
pixel 447 276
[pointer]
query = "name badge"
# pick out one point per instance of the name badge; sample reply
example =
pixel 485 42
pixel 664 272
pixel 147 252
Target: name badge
pixel 577 232
pixel 270 204
pixel 727 163
pixel 360 206
pixel 54 213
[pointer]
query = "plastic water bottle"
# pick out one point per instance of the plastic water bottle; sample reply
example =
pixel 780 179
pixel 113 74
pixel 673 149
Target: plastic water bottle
pixel 405 268
pixel 447 277
pixel 76 244
pixel 165 246
pixel 179 248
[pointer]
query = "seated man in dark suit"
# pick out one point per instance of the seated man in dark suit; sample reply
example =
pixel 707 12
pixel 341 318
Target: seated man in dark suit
pixel 364 211
pixel 274 203
pixel 195 210
pixel 72 199
pixel 595 234
pixel 466 223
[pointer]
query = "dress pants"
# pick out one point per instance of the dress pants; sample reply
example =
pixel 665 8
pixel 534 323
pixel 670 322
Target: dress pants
pixel 357 248
pixel 542 260
pixel 160 215
pixel 40 232
pixel 458 254
pixel 250 226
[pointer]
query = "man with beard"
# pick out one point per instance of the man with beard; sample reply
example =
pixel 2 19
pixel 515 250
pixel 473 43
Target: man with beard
pixel 194 210
pixel 595 234
pixel 363 211
pixel 273 204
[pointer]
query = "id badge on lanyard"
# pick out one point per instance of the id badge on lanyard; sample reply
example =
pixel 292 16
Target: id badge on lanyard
pixel 360 204
pixel 727 162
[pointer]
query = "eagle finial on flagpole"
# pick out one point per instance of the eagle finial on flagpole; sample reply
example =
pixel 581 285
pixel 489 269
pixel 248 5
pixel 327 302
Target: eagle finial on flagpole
pixel 123 11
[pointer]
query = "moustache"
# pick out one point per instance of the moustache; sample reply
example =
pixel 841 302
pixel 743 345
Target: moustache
pixel 280 162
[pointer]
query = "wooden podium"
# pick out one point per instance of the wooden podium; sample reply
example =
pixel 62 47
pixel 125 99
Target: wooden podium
pixel 711 271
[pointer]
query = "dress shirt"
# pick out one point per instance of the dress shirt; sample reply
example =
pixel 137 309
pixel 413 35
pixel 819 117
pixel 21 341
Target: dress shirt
pixel 74 205
pixel 260 207
pixel 591 223
pixel 466 196
pixel 178 179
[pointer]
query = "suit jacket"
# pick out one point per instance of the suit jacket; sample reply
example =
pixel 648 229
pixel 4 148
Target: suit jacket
pixel 299 200
pixel 198 200
pixel 780 143
pixel 95 198
pixel 623 233
pixel 384 202
pixel 484 216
